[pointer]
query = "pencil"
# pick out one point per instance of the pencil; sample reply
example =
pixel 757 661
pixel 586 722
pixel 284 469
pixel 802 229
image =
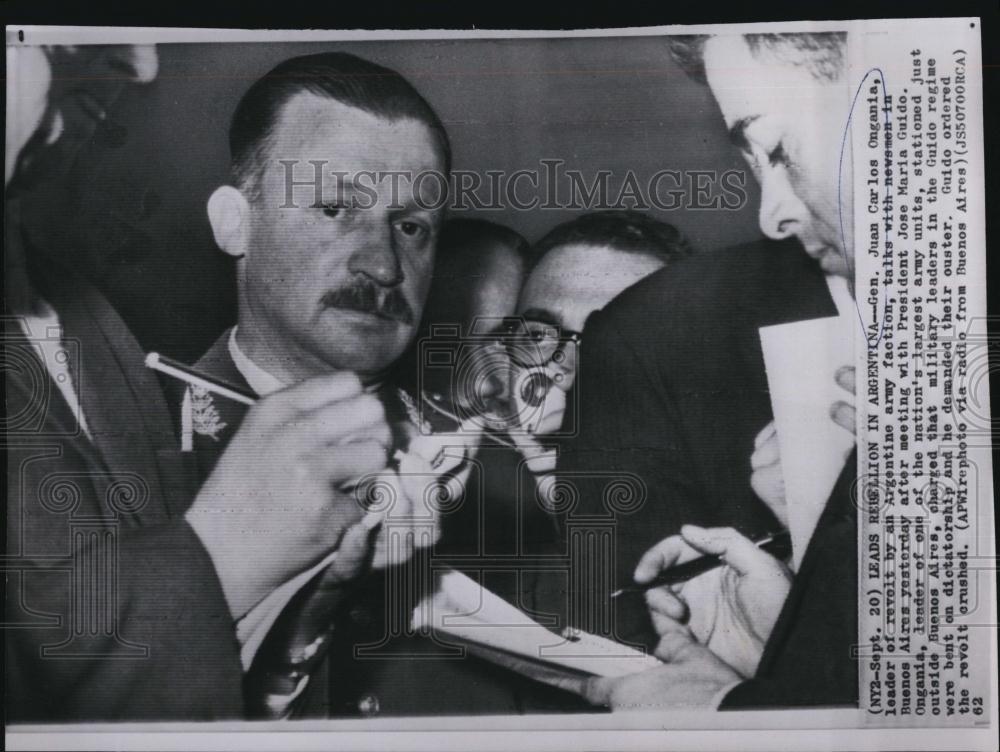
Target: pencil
pixel 196 378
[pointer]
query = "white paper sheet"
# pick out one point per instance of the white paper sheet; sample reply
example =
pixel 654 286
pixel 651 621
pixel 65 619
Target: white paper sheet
pixel 463 608
pixel 801 359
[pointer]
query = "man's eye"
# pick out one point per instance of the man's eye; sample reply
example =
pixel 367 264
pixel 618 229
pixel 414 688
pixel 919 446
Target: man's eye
pixel 411 229
pixel 332 210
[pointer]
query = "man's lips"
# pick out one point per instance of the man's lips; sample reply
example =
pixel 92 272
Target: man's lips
pixel 380 315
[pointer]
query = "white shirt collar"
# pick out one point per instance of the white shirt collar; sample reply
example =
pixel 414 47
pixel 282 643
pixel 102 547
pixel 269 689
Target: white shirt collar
pixel 262 382
pixel 43 329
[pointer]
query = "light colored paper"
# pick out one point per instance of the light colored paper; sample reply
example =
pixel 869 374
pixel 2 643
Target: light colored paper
pixel 801 359
pixel 462 608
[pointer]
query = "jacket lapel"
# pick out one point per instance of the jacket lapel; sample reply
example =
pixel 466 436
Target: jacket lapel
pixel 122 400
pixel 794 289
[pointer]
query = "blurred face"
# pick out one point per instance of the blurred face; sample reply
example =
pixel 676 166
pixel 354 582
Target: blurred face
pixel 328 285
pixel 64 92
pixel 480 283
pixel 790 127
pixel 565 287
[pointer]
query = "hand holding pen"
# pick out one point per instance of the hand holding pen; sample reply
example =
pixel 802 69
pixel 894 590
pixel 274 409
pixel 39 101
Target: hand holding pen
pixel 775 544
pixel 279 495
pixel 718 587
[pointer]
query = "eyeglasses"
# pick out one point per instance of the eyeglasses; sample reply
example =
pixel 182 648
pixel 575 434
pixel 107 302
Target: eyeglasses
pixel 534 344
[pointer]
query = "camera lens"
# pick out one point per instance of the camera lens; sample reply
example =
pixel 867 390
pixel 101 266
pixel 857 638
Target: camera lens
pixel 535 388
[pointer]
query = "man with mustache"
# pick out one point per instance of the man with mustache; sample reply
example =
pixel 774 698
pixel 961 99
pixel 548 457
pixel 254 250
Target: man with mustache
pixel 365 297
pixel 128 589
pixel 334 265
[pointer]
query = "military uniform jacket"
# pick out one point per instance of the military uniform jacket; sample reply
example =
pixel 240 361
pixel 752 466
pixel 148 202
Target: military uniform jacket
pixel 376 665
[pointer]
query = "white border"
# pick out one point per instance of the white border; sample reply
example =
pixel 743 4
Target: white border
pixel 768 730
pixel 154 35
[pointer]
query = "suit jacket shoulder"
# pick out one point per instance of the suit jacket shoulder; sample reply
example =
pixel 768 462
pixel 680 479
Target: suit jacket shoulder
pixel 671 391
pixel 168 649
pixel 709 294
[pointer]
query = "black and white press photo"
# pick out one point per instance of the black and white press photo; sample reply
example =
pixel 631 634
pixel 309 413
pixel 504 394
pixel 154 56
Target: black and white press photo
pixel 619 382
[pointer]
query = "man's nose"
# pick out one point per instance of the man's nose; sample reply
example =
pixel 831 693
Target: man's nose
pixel 138 61
pixel 782 213
pixel 377 259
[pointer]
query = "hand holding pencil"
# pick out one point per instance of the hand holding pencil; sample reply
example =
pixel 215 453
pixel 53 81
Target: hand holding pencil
pixel 310 465
pixel 276 496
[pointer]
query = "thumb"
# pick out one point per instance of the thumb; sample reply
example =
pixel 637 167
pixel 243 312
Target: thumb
pixel 575 684
pixel 662 556
pixel 352 554
pixel 676 646
pixel 765 434
pixel 596 690
pixel 845 378
pixel 736 549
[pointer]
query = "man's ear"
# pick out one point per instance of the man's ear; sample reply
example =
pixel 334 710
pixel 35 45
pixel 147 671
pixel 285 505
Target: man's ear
pixel 229 215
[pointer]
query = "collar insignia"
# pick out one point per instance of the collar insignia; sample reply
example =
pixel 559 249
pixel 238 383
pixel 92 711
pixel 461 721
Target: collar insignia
pixel 205 419
pixel 413 412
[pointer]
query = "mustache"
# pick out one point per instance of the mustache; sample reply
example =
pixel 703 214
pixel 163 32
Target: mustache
pixel 364 296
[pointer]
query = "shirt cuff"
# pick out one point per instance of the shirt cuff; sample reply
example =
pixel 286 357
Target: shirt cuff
pixel 254 626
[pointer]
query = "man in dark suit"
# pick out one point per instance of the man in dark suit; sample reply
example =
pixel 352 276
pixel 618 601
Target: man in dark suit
pixel 125 583
pixel 113 609
pixel 683 350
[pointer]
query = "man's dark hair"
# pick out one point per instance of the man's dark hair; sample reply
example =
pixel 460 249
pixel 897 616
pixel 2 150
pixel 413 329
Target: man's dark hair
pixel 345 78
pixel 462 235
pixel 822 54
pixel 624 230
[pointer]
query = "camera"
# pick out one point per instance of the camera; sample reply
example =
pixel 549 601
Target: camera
pixel 497 376
pixel 31 359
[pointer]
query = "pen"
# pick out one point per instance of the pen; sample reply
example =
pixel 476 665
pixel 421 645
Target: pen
pixel 776 544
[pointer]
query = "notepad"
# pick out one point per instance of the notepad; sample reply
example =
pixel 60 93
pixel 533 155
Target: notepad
pixel 463 611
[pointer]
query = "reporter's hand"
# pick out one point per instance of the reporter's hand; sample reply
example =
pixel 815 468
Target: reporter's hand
pixel 766 478
pixel 732 609
pixel 692 677
pixel 271 506
pixel 843 412
pixel 540 458
pixel 404 506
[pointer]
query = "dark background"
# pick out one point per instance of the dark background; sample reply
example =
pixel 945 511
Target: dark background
pixel 132 209
pixel 185 319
